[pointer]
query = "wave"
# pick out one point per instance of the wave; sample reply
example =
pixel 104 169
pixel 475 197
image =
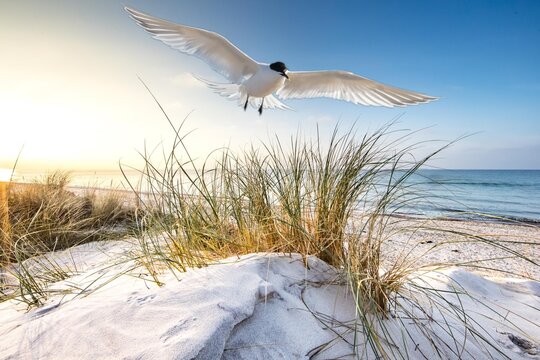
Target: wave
pixel 479 183
pixel 524 217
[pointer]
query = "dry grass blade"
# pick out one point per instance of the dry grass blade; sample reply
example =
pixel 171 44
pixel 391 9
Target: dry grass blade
pixel 334 200
pixel 45 216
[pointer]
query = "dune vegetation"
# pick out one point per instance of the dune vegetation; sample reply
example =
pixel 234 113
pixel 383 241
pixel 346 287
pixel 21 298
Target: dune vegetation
pixel 46 216
pixel 339 201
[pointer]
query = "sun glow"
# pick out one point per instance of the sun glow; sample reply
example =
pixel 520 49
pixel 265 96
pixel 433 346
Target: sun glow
pixel 5 175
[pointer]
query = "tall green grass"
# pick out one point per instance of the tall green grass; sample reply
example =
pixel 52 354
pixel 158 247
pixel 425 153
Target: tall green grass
pixel 297 196
pixel 335 200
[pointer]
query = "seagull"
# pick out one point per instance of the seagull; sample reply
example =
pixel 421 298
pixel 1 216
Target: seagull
pixel 250 80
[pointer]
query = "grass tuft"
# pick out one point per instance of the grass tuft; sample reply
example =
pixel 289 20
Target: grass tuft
pixel 337 200
pixel 46 216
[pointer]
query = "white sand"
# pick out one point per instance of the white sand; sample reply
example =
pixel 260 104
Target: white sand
pixel 257 307
pixel 450 248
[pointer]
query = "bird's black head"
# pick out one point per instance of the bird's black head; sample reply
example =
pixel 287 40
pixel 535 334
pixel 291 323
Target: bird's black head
pixel 280 68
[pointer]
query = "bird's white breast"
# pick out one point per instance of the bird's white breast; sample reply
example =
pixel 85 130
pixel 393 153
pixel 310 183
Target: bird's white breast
pixel 264 82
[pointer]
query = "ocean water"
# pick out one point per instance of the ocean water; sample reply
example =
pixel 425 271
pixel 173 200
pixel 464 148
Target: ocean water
pixel 509 194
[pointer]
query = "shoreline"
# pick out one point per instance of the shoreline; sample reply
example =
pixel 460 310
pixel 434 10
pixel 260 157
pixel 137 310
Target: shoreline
pixel 480 218
pixel 466 215
pixel 458 195
pixel 413 235
pixel 451 242
pixel 474 217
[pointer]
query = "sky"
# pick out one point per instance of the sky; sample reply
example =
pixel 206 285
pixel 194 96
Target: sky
pixel 70 96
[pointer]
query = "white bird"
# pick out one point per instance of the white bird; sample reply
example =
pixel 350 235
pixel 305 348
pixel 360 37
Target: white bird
pixel 251 80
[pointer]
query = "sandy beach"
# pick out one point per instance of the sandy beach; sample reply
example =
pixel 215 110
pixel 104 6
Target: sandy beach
pixel 266 305
pixel 448 244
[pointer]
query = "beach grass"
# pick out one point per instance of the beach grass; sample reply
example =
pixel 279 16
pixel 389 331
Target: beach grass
pixel 46 216
pixel 5 228
pixel 334 200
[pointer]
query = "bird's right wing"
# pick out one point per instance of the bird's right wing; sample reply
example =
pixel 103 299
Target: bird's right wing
pixel 212 48
pixel 343 85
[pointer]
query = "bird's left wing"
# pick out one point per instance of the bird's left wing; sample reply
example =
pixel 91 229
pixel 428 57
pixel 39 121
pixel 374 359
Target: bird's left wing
pixel 343 85
pixel 212 48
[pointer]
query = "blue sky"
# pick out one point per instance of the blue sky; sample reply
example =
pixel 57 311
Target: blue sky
pixel 72 66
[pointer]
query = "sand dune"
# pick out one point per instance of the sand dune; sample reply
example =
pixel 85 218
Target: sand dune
pixel 260 306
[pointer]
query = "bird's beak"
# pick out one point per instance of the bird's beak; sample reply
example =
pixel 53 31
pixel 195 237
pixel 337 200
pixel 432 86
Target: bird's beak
pixel 285 74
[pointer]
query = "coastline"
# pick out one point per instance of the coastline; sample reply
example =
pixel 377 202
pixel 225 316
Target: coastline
pixel 411 235
pixel 414 234
pixel 500 195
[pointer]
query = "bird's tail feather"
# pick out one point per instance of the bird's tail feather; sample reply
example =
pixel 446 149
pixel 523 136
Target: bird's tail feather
pixel 233 92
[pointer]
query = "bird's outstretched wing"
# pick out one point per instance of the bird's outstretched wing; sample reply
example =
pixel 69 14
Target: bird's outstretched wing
pixel 212 48
pixel 343 85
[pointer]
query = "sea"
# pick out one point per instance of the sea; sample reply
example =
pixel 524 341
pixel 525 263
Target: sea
pixel 498 195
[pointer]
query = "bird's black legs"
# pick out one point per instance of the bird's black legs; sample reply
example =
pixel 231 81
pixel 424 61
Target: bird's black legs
pixel 261 107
